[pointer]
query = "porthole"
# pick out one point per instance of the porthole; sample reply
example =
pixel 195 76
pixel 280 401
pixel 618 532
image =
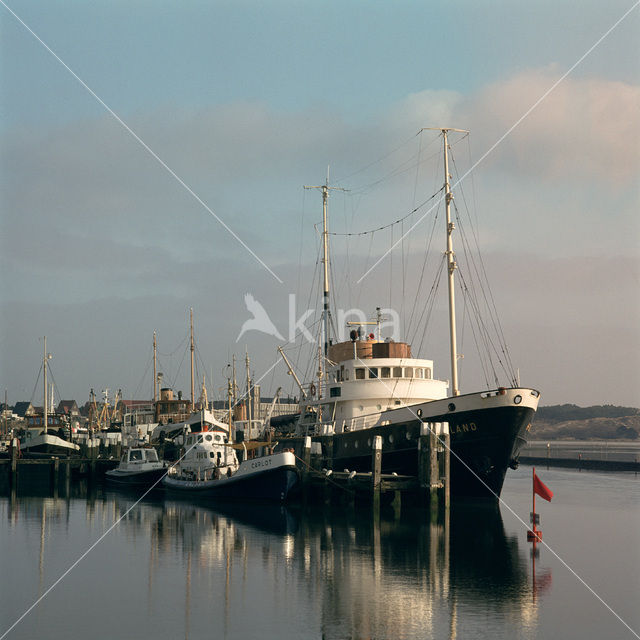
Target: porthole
pixel 518 399
pixel 408 435
pixel 379 407
pixel 390 439
pixel 355 444
pixel 368 442
pixel 208 438
pixel 419 412
pixel 452 407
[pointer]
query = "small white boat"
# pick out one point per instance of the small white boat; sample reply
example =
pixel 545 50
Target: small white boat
pixel 39 440
pixel 138 466
pixel 209 468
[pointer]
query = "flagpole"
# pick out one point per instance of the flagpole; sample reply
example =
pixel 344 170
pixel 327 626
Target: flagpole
pixel 533 490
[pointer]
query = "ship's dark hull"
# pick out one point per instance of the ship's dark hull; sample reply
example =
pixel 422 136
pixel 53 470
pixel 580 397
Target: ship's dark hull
pixel 135 479
pixel 480 454
pixel 484 443
pixel 271 484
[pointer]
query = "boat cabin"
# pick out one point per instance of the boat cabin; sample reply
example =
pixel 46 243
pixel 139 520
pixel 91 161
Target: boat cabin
pixel 366 378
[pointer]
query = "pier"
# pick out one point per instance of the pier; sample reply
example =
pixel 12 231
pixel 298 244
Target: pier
pixel 320 482
pixel 613 455
pixel 52 470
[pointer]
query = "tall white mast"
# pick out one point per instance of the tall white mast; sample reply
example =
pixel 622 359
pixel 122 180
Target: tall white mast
pixel 451 259
pixel 451 267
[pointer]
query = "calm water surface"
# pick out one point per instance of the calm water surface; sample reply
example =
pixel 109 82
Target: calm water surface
pixel 171 569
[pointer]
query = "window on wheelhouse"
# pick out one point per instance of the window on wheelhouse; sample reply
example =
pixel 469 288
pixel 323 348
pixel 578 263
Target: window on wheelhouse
pixel 373 372
pixel 385 372
pixel 397 372
pixel 135 454
pixel 151 455
pixel 419 373
pixel 427 373
pixel 359 374
pixel 408 372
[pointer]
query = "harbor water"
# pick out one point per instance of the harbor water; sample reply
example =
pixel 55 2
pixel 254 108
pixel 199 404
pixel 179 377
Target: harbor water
pixel 98 564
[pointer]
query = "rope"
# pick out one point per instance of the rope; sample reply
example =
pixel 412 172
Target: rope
pixel 386 226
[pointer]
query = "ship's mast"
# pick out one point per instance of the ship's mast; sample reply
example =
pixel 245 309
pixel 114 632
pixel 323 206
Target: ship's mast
pixel 249 407
pixel 451 267
pixel 155 370
pixel 326 311
pixel 46 391
pixel 192 382
pixel 451 259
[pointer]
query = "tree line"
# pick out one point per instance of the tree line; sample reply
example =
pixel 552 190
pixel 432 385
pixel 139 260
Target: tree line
pixel 564 412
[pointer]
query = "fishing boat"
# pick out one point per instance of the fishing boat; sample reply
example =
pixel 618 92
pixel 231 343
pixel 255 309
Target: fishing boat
pixel 139 466
pixel 39 438
pixel 209 468
pixel 370 385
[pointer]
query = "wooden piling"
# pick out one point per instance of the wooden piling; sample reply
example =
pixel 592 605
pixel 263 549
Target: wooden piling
pixel 306 467
pixel 434 471
pixel 55 470
pixel 376 463
pixel 13 472
pixel 446 438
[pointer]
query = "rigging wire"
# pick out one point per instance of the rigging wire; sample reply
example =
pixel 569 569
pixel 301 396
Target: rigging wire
pixel 35 386
pixel 484 284
pixel 144 375
pixel 391 224
pixel 384 157
pixel 427 253
pixel 430 302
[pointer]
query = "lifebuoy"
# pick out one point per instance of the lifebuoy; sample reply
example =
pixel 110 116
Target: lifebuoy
pixel 312 389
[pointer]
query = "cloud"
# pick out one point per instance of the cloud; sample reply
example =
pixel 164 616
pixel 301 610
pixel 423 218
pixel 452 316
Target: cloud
pixel 586 128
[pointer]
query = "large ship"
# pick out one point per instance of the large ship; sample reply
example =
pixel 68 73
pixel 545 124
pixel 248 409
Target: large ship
pixel 369 386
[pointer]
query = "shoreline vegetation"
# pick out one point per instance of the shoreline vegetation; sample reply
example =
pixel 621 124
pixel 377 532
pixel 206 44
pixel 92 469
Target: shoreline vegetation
pixel 598 422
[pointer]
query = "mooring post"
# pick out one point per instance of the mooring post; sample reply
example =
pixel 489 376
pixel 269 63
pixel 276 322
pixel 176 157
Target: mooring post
pixel 328 443
pixel 306 468
pixel 67 477
pixel 376 470
pixel 55 469
pixel 93 454
pixel 434 473
pixel 13 473
pixel 424 466
pixel 445 437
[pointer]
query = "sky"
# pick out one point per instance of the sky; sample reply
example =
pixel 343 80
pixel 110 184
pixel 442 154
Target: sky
pixel 154 157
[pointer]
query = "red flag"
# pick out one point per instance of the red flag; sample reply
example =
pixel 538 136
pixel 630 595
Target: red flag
pixel 541 488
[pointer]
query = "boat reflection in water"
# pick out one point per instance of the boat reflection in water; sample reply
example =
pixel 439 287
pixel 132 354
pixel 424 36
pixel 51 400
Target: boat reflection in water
pixel 178 568
pixel 345 573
